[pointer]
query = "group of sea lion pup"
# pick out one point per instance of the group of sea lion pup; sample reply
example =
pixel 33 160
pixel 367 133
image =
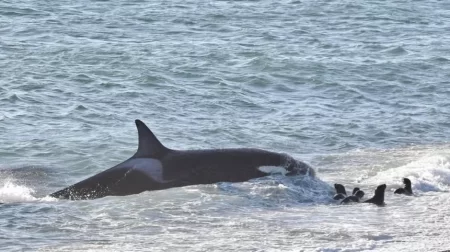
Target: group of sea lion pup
pixel 377 199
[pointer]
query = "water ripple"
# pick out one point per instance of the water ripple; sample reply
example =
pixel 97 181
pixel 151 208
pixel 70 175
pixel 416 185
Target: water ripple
pixel 307 78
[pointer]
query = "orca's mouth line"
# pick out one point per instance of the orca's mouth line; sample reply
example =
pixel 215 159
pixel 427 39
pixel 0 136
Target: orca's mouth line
pixel 295 167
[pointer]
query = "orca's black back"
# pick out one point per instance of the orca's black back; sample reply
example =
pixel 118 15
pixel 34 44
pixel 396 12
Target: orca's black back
pixel 222 165
pixel 112 182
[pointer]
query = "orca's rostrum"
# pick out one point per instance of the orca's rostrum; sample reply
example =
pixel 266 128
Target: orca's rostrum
pixel 156 167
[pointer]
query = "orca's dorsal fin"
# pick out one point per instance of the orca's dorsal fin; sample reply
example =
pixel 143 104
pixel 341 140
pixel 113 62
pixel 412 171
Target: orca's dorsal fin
pixel 149 145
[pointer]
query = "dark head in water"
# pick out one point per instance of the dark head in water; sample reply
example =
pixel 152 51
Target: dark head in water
pixel 356 197
pixel 407 190
pixel 156 167
pixel 378 198
pixel 340 192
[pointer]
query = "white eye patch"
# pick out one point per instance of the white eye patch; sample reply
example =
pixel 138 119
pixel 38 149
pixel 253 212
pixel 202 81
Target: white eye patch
pixel 273 169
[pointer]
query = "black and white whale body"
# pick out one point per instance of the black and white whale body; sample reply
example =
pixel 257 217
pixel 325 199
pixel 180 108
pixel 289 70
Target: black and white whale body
pixel 155 167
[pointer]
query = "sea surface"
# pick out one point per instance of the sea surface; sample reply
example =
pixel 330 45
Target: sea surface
pixel 360 90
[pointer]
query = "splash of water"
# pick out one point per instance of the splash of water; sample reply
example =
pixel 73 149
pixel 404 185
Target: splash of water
pixel 428 173
pixel 11 192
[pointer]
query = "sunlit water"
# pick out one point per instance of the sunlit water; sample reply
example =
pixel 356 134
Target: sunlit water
pixel 359 90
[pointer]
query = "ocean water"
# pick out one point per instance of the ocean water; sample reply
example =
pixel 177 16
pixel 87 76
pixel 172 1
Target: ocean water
pixel 359 90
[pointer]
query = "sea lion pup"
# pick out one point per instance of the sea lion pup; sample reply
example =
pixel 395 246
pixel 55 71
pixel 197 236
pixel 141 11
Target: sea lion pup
pixel 340 192
pixel 356 197
pixel 407 190
pixel 378 198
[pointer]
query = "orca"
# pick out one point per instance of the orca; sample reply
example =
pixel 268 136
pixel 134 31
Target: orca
pixel 156 167
pixel 407 190
pixel 378 198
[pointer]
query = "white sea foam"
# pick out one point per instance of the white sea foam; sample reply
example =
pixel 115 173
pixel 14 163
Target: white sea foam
pixel 11 192
pixel 427 173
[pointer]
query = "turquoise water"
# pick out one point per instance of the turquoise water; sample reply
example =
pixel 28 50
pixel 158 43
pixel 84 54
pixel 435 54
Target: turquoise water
pixel 358 90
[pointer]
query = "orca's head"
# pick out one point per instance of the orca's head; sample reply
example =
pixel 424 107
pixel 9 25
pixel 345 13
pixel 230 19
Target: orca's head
pixel 297 167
